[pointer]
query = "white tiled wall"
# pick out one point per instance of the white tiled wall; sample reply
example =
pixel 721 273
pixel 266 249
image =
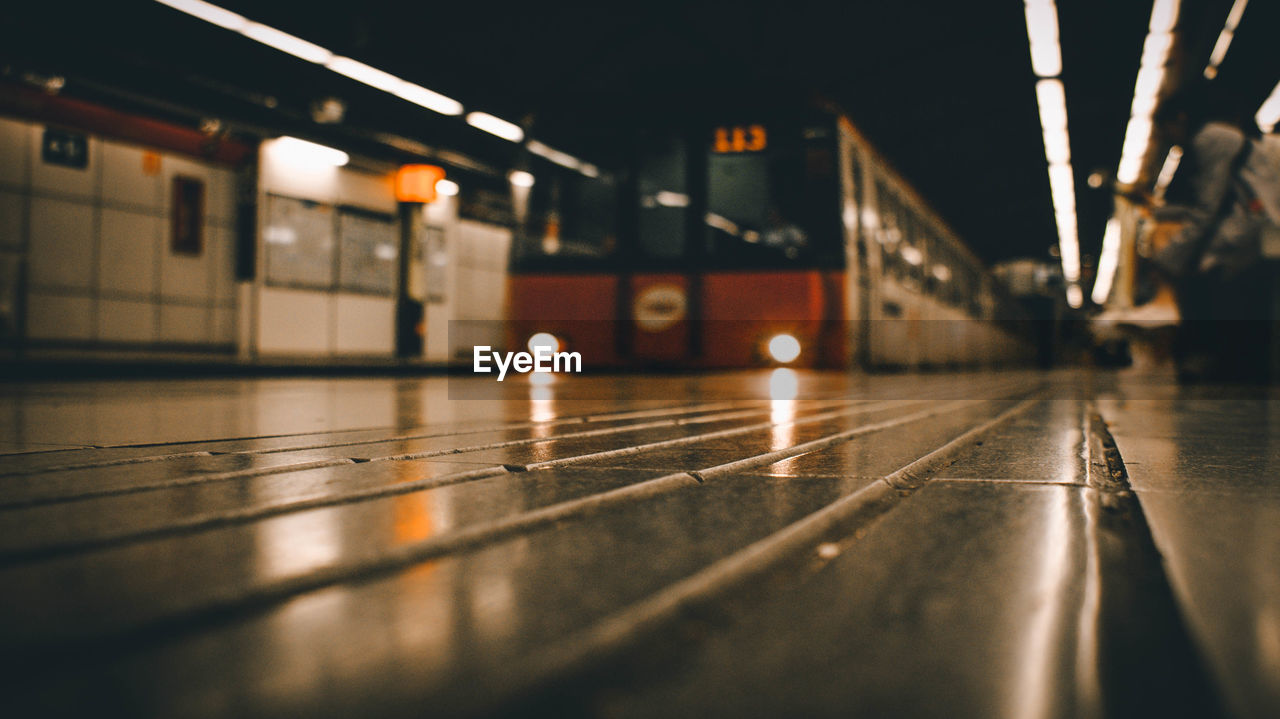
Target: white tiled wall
pixel 365 325
pixel 96 244
pixel 322 322
pixel 126 321
pixel 482 280
pixel 61 244
pixel 14 157
pixel 184 277
pixel 127 253
pixel 185 323
pixel 123 183
pixel 58 317
pixel 293 322
pixel 482 270
pixel 13 219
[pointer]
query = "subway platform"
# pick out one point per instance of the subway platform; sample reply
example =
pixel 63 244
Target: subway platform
pixel 1002 544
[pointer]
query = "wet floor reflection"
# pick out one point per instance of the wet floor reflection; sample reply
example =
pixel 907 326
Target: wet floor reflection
pixel 1205 470
pixel 984 581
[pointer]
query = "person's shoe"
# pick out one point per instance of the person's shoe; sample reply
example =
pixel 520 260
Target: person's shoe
pixel 1148 316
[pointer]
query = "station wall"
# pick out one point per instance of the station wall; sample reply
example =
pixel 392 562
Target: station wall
pixel 92 246
pixel 469 281
pixel 320 321
pixel 92 259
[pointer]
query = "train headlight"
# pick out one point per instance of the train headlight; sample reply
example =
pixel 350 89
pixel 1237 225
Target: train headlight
pixel 784 348
pixel 544 339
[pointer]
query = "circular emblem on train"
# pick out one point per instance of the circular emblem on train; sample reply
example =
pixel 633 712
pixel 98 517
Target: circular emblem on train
pixel 658 307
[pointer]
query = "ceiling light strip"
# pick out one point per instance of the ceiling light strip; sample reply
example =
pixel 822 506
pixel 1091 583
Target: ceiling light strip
pixel 1146 91
pixel 311 52
pixel 495 126
pixel 1138 133
pixel 1107 262
pixel 1269 113
pixel 1046 63
pixel 1224 39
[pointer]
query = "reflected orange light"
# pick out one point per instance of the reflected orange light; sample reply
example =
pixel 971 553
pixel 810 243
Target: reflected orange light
pixel 411 519
pixel 417 183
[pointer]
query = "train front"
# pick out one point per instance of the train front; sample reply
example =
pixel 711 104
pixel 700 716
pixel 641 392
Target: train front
pixel 715 246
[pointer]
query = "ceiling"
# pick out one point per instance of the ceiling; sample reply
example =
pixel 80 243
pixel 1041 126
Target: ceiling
pixel 943 88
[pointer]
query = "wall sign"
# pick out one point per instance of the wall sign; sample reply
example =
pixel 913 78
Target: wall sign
pixel 187 211
pixel 69 149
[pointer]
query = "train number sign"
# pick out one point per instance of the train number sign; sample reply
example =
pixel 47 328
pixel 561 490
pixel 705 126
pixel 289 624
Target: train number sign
pixel 740 138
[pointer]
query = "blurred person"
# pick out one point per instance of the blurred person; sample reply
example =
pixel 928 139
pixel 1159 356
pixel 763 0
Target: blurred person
pixel 1225 197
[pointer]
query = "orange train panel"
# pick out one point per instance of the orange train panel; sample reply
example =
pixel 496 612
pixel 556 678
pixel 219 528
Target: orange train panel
pixel 581 310
pixel 743 310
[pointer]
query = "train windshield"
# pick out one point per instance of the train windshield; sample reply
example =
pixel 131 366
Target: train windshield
pixel 754 195
pixel 772 196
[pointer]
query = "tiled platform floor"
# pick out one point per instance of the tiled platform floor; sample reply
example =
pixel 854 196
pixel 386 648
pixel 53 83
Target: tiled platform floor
pixel 999 544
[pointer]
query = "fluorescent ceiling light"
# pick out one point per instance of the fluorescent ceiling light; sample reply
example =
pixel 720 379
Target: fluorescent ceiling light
pixel 1168 169
pixel 1057 148
pixel 311 52
pixel 1146 89
pixel 285 42
pixel 429 99
pixel 1269 113
pixel 1143 105
pixel 495 126
pixel 1164 16
pixel 1042 22
pixel 1156 48
pixel 209 13
pixel 1042 35
pixel 563 159
pixel 1070 257
pixel 1107 262
pixel 1136 136
pixel 1130 167
pixel 1220 49
pixel 1046 62
pixel 1075 296
pixel 1237 11
pixel 1150 78
pixel 367 74
pixel 1062 183
pixel 1053 105
pixel 292 149
pixel 1046 59
pixel 1224 38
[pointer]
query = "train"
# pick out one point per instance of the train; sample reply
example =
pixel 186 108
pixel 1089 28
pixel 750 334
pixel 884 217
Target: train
pixel 758 238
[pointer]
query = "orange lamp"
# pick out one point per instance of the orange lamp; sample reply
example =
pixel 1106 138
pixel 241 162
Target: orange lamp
pixel 417 183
